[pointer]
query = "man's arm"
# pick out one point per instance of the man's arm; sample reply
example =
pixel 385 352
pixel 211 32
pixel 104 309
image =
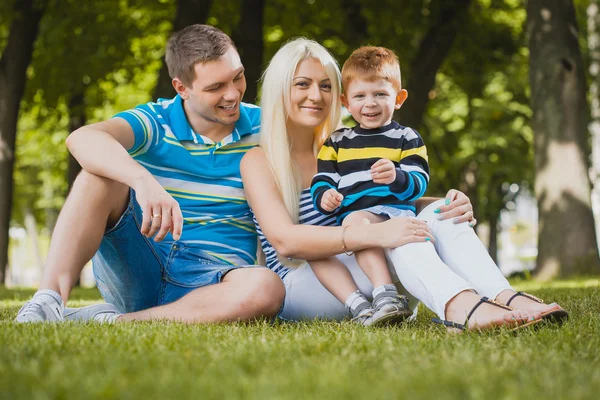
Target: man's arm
pixel 101 149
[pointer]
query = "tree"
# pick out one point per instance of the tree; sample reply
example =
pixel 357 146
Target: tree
pixel 249 39
pixel 567 237
pixel 188 12
pixel 19 49
pixel 433 49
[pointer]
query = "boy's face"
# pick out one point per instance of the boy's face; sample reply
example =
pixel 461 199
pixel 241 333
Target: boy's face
pixel 372 104
pixel 217 91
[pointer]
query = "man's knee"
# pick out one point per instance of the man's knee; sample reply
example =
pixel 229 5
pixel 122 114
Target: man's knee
pixel 264 290
pixel 105 192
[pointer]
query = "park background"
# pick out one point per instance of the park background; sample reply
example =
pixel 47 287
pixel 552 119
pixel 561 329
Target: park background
pixel 510 119
pixel 506 96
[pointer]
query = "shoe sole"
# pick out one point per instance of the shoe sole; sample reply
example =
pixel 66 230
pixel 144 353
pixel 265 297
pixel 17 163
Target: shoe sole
pixel 392 318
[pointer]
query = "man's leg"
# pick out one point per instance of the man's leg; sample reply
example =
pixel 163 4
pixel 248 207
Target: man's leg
pixel 93 204
pixel 243 294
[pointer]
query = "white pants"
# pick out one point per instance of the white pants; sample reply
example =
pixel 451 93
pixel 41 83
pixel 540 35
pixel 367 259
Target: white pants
pixel 427 273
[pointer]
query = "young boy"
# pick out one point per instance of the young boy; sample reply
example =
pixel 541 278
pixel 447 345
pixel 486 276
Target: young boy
pixel 367 174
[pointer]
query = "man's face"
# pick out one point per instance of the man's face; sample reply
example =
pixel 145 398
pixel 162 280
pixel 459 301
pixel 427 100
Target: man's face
pixel 217 91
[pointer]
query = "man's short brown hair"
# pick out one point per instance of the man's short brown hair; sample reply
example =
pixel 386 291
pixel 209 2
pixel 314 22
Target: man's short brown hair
pixel 192 45
pixel 371 63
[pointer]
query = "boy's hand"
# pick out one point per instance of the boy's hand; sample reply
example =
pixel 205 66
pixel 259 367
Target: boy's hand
pixel 383 172
pixel 331 200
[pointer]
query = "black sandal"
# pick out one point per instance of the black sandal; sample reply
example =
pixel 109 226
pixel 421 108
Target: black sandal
pixel 462 327
pixel 558 316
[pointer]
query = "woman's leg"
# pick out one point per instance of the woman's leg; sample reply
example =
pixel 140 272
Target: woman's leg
pixel 460 249
pixel 423 274
pixel 307 298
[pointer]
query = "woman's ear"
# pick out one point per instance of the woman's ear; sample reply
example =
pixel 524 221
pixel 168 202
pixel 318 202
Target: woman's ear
pixel 401 98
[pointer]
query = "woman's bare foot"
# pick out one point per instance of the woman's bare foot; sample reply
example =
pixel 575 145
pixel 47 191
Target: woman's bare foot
pixel 486 316
pixel 525 304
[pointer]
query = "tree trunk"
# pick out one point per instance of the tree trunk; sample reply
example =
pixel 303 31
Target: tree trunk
pixel 493 241
pixel 13 67
pixel 431 54
pixel 189 12
pixel 567 238
pixel 249 39
pixel 593 25
pixel 77 119
pixel 32 232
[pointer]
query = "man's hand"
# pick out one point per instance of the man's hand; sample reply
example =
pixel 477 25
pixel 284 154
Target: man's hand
pixel 331 200
pixel 383 172
pixel 161 212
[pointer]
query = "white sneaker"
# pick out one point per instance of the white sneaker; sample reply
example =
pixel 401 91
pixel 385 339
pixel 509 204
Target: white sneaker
pixel 104 313
pixel 45 306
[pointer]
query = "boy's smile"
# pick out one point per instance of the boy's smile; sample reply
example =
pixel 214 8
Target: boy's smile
pixel 372 103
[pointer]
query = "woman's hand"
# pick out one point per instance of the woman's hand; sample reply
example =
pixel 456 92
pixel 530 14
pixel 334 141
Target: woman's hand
pixel 458 206
pixel 397 232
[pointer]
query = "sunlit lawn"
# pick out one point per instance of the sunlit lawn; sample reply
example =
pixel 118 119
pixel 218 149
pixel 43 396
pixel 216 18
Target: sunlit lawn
pixel 308 360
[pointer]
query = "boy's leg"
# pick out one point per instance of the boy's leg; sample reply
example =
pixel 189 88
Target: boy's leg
pixel 243 294
pixel 334 276
pixel 307 298
pixel 388 305
pixel 371 261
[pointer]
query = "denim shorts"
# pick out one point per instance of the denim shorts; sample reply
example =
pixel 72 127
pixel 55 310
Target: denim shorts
pixel 134 273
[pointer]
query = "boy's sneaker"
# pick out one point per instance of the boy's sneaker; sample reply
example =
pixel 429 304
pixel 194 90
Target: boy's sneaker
pixel 360 308
pixel 390 308
pixel 103 313
pixel 364 317
pixel 45 306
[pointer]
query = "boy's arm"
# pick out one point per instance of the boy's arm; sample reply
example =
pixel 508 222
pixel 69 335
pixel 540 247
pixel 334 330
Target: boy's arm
pixel 327 176
pixel 412 173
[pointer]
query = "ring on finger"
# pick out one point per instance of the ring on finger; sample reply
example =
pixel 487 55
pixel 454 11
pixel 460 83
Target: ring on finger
pixel 156 216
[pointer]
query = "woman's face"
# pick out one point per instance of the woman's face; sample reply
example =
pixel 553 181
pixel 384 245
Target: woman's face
pixel 310 95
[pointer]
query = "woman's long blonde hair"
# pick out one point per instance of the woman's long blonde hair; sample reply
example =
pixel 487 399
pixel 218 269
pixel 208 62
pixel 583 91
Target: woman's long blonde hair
pixel 275 102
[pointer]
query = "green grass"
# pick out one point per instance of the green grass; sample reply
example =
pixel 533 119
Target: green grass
pixel 307 360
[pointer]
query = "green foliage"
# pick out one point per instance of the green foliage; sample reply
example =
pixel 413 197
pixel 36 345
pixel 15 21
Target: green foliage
pixel 312 360
pixel 110 52
pixel 476 126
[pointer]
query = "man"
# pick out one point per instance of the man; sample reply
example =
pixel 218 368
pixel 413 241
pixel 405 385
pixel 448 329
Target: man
pixel 168 171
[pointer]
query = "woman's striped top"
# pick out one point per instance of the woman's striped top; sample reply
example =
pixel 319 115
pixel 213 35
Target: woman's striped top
pixel 307 216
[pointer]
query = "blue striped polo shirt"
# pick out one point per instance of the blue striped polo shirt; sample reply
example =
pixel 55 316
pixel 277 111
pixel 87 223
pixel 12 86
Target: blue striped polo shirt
pixel 203 176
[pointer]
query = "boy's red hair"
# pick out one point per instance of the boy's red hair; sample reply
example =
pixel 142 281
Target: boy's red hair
pixel 371 63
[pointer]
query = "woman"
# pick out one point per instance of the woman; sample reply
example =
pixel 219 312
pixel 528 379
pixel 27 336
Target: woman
pixel 300 108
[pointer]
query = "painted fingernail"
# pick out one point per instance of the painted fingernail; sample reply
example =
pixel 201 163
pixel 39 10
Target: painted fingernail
pixel 455 221
pixel 532 318
pixel 447 201
pixel 514 319
pixel 471 225
pixel 427 239
pixel 440 218
pixel 437 211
